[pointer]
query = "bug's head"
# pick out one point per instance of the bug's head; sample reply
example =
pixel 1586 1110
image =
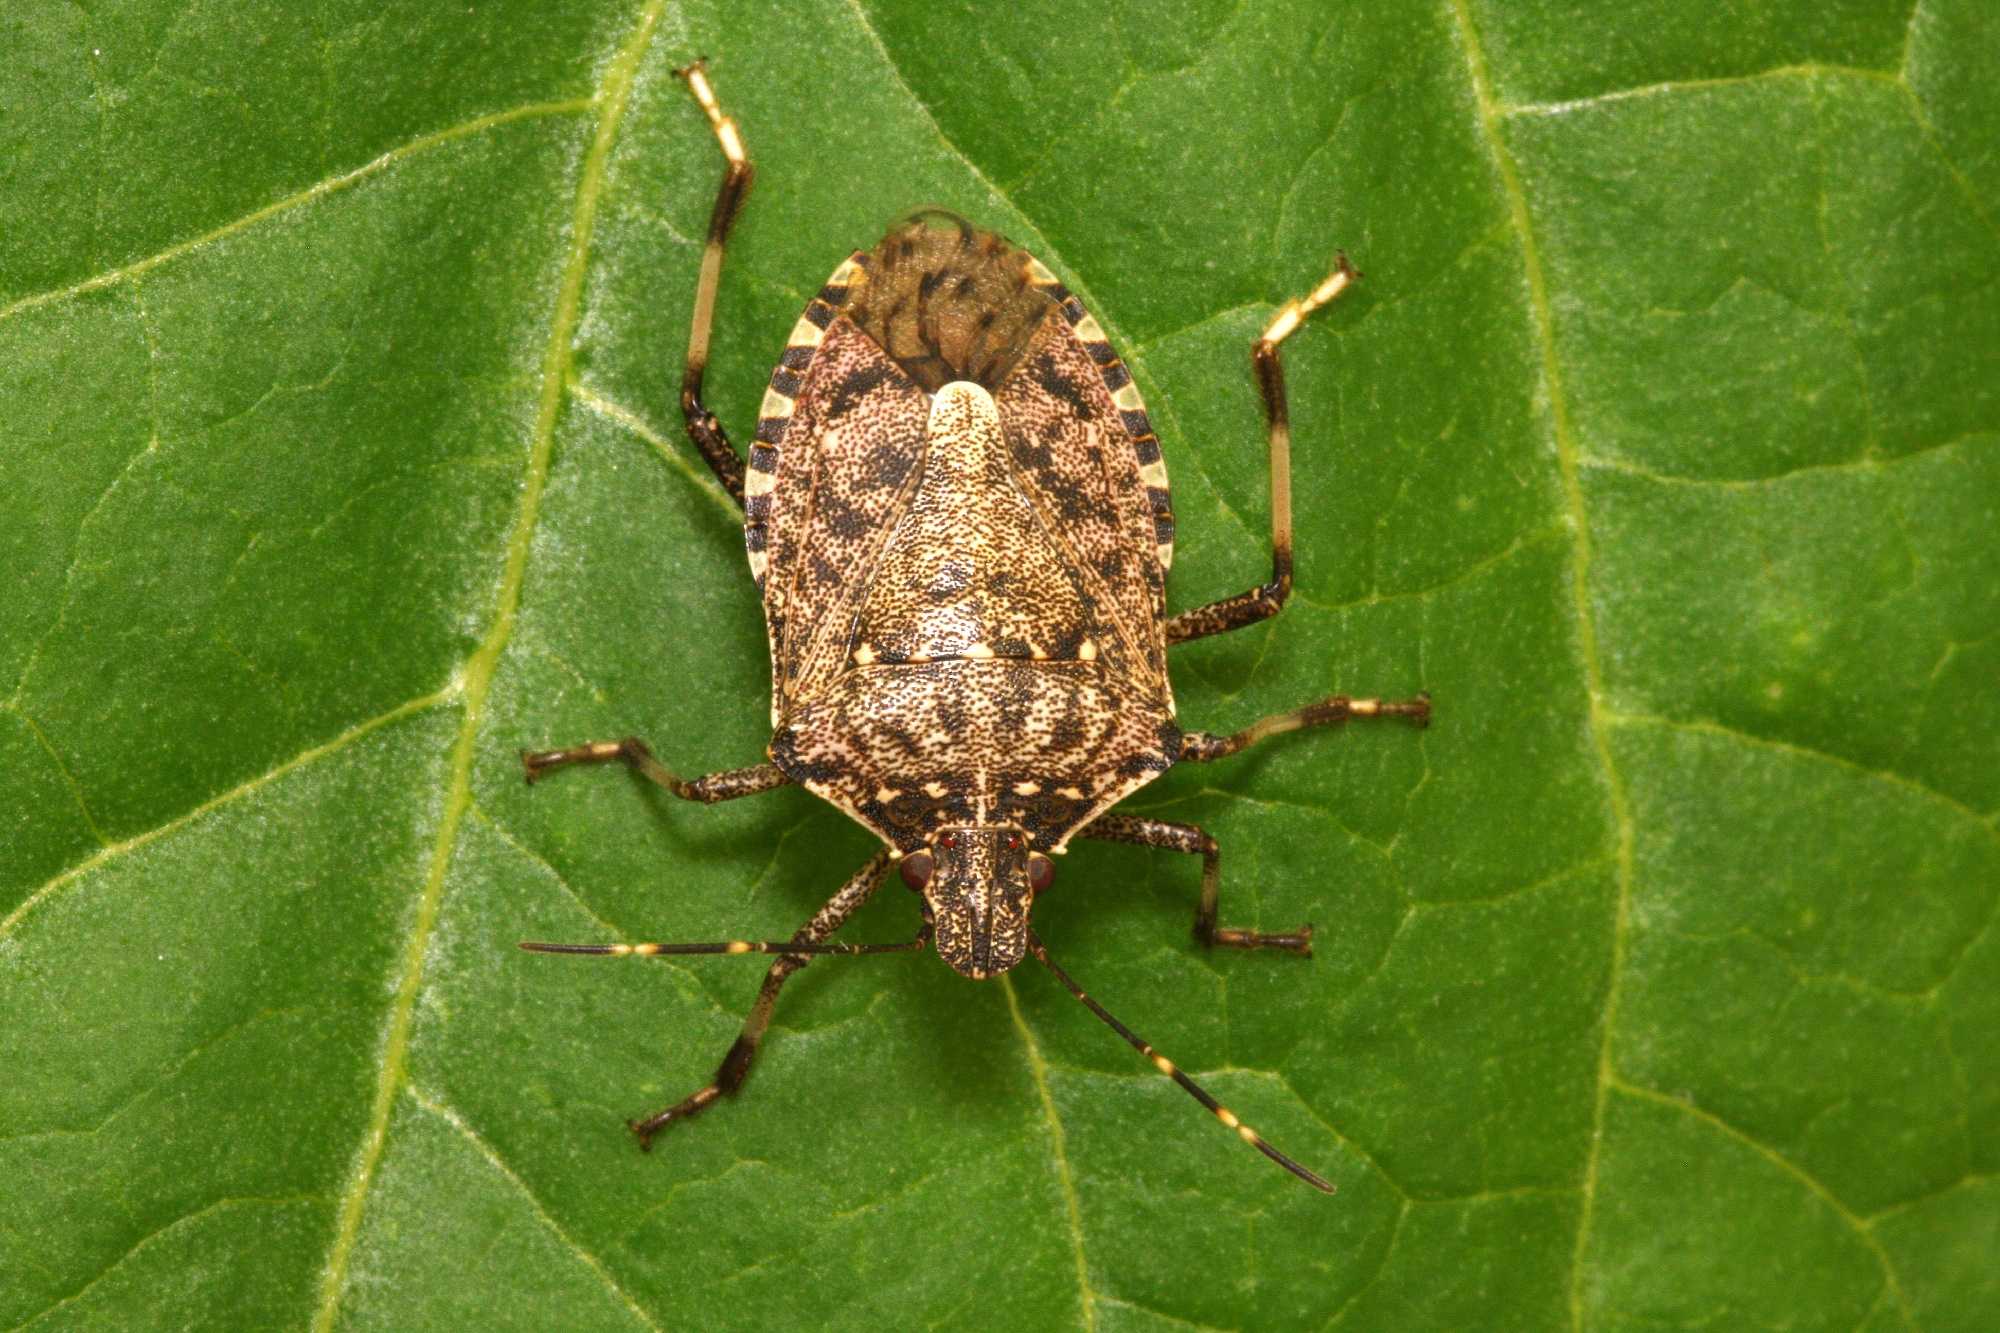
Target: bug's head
pixel 979 884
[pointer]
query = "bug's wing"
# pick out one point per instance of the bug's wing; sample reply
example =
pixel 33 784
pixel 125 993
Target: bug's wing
pixel 1082 446
pixel 825 487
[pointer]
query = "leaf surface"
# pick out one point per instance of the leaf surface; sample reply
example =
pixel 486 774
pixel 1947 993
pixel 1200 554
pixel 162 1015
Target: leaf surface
pixel 1655 983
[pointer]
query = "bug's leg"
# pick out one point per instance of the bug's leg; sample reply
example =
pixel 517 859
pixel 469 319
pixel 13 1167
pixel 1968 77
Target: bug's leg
pixel 1196 842
pixel 1265 600
pixel 735 1066
pixel 702 426
pixel 1202 746
pixel 724 786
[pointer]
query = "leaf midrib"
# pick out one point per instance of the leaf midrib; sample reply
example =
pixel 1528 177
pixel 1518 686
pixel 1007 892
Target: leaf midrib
pixel 610 98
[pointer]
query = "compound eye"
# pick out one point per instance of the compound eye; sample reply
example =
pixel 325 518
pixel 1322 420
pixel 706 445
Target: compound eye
pixel 1013 842
pixel 1041 871
pixel 916 869
pixel 948 840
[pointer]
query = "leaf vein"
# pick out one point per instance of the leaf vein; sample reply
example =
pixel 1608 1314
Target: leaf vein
pixel 1866 464
pixel 610 100
pixel 1381 1267
pixel 1402 1191
pixel 242 789
pixel 1970 1180
pixel 1710 727
pixel 317 190
pixel 1484 564
pixel 1935 142
pixel 1819 1190
pixel 34 655
pixel 1177 1321
pixel 701 479
pixel 437 1107
pixel 62 770
pixel 1542 324
pixel 161 1232
pixel 174 1067
pixel 1805 70
pixel 1589 865
pixel 1290 194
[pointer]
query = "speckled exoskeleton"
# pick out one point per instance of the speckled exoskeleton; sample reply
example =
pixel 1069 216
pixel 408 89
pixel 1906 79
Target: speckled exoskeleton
pixel 958 518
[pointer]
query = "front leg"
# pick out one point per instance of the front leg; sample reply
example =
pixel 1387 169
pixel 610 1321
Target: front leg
pixel 1187 838
pixel 735 1066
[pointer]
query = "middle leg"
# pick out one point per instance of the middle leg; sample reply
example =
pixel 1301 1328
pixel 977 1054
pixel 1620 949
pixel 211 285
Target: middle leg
pixel 1187 838
pixel 638 756
pixel 1202 746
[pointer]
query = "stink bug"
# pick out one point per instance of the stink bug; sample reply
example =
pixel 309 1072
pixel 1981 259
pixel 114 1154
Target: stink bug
pixel 958 519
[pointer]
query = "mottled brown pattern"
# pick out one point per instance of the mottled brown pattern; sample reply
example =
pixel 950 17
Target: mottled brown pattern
pixel 965 590
pixel 950 302
pixel 908 750
pixel 1074 457
pixel 847 465
pixel 971 567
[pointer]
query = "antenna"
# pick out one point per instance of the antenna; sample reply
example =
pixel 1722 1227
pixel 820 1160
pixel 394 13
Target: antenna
pixel 922 941
pixel 1173 1071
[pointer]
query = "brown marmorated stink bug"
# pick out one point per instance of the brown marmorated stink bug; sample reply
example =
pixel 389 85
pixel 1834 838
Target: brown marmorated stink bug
pixel 957 516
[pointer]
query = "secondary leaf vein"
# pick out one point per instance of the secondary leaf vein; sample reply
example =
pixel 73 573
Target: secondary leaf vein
pixel 159 1233
pixel 317 190
pixel 702 479
pixel 1864 465
pixel 443 1112
pixel 1708 727
pixel 1808 70
pixel 242 789
pixel 1854 1221
pixel 69 778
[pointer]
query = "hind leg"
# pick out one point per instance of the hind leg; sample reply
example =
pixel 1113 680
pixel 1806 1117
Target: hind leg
pixel 702 426
pixel 1265 600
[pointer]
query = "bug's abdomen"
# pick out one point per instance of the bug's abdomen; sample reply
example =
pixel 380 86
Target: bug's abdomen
pixel 1044 538
pixel 949 302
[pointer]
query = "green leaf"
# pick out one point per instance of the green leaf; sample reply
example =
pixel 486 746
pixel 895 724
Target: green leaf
pixel 1657 983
